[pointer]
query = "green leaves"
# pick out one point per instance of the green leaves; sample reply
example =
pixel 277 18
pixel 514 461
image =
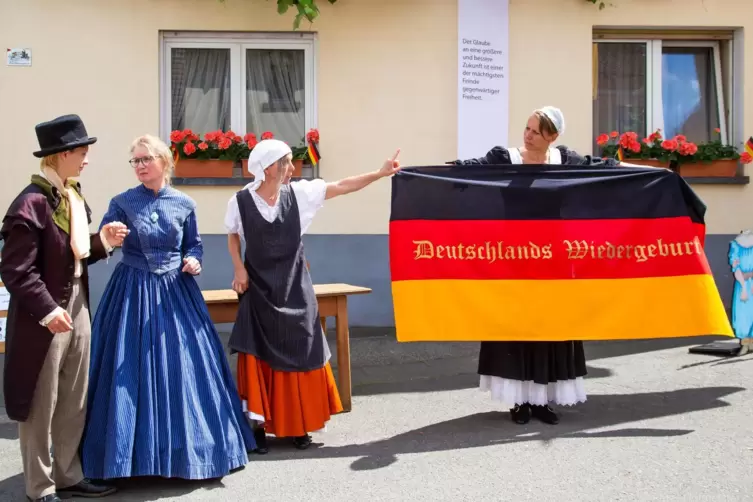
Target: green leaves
pixel 307 9
pixel 600 3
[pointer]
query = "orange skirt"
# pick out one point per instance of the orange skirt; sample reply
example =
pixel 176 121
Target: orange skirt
pixel 291 404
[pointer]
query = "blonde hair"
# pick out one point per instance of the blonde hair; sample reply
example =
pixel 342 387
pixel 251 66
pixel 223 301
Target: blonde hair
pixel 158 149
pixel 50 161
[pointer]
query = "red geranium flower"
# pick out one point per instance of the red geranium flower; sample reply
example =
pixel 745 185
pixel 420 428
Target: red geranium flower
pixel 189 135
pixel 312 136
pixel 224 143
pixel 177 136
pixel 213 136
pixel 189 148
pixel 614 134
pixel 688 149
pixel 628 139
pixel 267 135
pixel 250 139
pixel 670 144
pixel 602 140
pixel 203 146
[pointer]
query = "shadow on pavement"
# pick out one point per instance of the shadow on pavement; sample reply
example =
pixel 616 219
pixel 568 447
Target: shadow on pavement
pixel 8 430
pixel 441 383
pixel 12 489
pixel 618 348
pixel 130 490
pixel 495 428
pixel 151 489
pixel 458 373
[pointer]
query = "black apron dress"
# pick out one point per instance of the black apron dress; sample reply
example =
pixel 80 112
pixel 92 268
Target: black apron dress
pixel 278 315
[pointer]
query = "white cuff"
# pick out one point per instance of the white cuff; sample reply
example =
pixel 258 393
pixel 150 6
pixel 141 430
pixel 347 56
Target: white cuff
pixel 52 315
pixel 106 244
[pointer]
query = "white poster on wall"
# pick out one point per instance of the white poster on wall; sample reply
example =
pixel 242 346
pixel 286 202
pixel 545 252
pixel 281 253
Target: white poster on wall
pixel 4 298
pixel 483 83
pixel 2 329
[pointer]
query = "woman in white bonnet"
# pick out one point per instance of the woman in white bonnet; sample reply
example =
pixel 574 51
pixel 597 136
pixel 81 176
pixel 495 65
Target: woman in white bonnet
pixel 530 375
pixel 284 377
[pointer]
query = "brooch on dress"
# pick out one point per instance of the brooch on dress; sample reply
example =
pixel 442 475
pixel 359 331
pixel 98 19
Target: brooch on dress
pixel 154 217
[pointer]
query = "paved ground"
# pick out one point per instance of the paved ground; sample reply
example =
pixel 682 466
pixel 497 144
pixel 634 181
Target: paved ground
pixel 660 424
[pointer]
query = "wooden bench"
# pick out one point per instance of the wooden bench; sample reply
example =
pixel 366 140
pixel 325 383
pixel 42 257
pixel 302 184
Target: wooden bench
pixel 333 302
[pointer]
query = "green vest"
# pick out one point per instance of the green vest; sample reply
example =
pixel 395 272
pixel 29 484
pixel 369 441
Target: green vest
pixel 61 214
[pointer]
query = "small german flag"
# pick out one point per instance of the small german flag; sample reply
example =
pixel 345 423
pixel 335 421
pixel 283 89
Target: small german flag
pixel 620 154
pixel 749 146
pixel 314 153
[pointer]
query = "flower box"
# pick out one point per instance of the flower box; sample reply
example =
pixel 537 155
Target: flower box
pixel 709 159
pixel 648 162
pixel 724 168
pixel 209 168
pixel 217 154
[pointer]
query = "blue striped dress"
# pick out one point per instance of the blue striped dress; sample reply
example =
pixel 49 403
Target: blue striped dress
pixel 162 400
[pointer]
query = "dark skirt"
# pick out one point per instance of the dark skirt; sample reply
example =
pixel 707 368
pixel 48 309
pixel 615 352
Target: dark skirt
pixel 533 372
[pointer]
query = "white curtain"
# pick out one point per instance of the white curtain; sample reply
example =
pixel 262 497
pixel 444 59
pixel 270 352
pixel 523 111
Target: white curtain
pixel 200 89
pixel 275 97
pixel 619 89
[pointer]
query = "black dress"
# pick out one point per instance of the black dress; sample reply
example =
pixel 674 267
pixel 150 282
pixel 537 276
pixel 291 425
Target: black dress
pixel 536 373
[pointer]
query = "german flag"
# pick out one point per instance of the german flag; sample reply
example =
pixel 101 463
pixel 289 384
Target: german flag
pixel 749 146
pixel 313 152
pixel 549 253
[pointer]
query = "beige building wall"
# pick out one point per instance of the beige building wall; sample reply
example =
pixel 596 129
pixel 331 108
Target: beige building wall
pixel 386 78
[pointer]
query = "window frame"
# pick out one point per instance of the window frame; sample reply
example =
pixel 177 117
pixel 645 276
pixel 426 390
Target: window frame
pixel 654 101
pixel 237 43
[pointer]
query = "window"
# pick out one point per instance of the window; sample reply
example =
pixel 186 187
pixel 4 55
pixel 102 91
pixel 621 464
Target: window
pixel 244 83
pixel 673 85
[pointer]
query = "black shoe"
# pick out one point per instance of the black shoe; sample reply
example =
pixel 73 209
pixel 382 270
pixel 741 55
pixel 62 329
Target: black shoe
pixel 521 414
pixel 260 436
pixel 302 442
pixel 86 489
pixel 545 414
pixel 53 497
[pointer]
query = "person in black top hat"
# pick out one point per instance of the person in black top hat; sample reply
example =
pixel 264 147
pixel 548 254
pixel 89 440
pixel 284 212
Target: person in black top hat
pixel 44 266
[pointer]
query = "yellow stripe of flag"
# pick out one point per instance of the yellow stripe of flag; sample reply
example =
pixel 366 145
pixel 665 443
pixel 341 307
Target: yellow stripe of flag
pixel 557 310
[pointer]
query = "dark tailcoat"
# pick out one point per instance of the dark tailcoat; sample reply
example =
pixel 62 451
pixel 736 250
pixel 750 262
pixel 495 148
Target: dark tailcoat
pixel 37 268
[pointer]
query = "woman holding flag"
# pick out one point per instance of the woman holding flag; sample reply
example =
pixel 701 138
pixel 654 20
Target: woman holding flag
pixel 530 375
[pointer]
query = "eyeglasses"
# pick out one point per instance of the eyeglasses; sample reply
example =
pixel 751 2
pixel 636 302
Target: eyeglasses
pixel 141 160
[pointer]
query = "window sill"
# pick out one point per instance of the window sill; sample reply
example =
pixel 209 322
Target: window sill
pixel 222 182
pixel 710 180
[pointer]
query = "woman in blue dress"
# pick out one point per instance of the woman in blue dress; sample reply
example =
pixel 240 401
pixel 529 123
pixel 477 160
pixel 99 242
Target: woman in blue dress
pixel 741 262
pixel 162 400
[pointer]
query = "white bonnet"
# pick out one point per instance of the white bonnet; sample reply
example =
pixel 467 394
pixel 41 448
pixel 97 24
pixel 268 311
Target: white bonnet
pixel 555 115
pixel 265 153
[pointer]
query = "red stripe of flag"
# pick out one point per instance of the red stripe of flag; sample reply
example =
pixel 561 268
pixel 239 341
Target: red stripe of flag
pixel 546 249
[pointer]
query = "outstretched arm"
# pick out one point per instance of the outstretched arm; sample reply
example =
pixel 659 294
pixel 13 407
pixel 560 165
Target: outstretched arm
pixel 572 158
pixel 495 156
pixel 355 183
